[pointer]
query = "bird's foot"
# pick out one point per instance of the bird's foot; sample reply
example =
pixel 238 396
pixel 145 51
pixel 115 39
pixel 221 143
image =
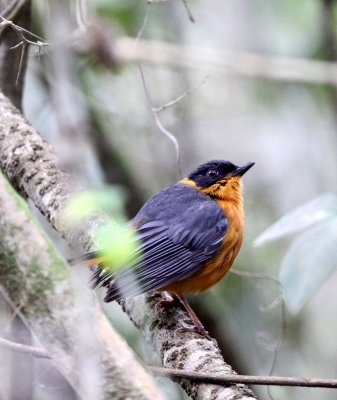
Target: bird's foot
pixel 168 299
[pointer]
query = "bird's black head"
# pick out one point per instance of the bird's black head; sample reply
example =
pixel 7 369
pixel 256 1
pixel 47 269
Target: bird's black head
pixel 214 171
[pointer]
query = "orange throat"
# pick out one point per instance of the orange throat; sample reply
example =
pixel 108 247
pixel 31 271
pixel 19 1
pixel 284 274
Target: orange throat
pixel 229 198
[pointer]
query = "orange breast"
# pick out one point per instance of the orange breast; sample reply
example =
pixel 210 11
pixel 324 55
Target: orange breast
pixel 214 270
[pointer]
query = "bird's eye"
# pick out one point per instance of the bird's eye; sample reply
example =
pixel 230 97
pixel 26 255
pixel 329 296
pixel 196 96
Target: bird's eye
pixel 213 173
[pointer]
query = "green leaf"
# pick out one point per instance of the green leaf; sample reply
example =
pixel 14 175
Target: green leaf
pixel 115 240
pixel 309 262
pixel 108 199
pixel 319 209
pixel 117 243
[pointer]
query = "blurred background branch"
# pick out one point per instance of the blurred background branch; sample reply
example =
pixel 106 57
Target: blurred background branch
pixel 250 65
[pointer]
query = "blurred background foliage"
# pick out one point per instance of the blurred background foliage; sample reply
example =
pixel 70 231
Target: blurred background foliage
pixel 93 109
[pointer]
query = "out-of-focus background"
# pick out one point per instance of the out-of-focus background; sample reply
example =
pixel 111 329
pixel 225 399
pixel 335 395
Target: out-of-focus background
pixel 261 91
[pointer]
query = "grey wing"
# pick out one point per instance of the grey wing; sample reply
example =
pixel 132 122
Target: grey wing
pixel 168 252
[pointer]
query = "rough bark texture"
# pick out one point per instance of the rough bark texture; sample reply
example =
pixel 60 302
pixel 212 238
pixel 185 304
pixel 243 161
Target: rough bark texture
pixel 32 168
pixel 163 329
pixel 64 316
pixel 12 72
pixel 29 163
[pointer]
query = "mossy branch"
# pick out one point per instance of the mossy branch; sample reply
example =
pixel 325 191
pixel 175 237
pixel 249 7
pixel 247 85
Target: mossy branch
pixel 63 315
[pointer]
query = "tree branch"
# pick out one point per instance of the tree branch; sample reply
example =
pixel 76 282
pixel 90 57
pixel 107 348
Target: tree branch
pixel 23 348
pixel 251 65
pixel 217 378
pixel 64 316
pixel 30 164
pixel 221 379
pixel 188 351
pixel 13 61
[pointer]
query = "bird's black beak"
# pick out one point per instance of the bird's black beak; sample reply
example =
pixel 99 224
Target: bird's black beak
pixel 239 171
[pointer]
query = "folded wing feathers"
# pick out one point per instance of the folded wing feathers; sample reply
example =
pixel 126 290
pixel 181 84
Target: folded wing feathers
pixel 168 251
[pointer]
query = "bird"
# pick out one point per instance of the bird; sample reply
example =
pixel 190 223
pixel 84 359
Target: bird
pixel 188 236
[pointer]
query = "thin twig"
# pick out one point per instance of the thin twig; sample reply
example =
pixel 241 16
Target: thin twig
pixel 23 348
pixel 222 379
pixel 188 10
pixel 40 43
pixel 12 9
pixel 179 98
pixel 165 131
pixel 18 28
pixel 24 48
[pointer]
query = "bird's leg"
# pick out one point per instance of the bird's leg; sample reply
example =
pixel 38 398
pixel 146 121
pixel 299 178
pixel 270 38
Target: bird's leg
pixel 170 298
pixel 198 325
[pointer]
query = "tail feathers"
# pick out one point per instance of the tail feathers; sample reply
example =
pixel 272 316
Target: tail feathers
pixel 104 278
pixel 88 259
pixel 101 277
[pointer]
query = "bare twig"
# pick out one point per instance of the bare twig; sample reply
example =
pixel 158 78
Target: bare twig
pixel 188 10
pixel 218 378
pixel 22 60
pixel 40 43
pixel 12 9
pixel 13 59
pixel 13 54
pixel 221 379
pixel 22 348
pixel 5 22
pixel 165 131
pixel 179 98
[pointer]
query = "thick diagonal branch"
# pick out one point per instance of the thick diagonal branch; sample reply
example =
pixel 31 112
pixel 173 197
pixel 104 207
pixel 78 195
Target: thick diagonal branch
pixel 31 165
pixel 64 316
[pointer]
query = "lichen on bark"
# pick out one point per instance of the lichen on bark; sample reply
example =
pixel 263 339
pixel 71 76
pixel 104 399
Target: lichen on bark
pixel 62 314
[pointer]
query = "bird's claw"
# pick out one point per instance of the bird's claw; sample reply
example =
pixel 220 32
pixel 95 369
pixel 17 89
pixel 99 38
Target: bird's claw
pixel 166 301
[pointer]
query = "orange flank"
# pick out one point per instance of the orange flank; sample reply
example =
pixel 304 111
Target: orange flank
pixel 229 198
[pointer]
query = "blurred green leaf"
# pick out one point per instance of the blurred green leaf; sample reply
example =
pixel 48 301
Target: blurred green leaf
pixel 319 209
pixel 108 199
pixel 116 239
pixel 117 243
pixel 309 262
